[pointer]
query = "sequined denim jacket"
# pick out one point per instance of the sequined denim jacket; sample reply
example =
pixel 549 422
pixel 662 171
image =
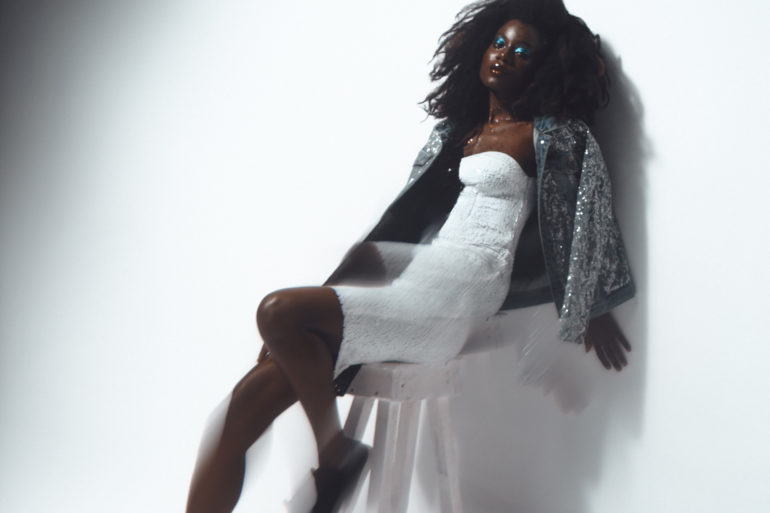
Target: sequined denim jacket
pixel 586 263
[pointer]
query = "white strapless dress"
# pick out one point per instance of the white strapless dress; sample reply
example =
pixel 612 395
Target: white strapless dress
pixel 451 284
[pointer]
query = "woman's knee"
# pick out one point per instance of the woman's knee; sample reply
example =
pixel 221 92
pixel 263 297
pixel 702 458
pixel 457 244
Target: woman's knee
pixel 287 313
pixel 275 312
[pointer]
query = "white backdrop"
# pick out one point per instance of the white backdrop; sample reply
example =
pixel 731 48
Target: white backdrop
pixel 164 165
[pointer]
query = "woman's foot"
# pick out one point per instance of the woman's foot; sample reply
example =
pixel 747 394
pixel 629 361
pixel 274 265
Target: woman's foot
pixel 342 466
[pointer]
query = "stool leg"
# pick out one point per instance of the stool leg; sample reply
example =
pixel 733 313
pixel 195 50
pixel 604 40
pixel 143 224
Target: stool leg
pixel 358 416
pixel 380 478
pixel 443 437
pixel 355 425
pixel 406 440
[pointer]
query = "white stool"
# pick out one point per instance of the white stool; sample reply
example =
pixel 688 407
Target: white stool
pixel 401 390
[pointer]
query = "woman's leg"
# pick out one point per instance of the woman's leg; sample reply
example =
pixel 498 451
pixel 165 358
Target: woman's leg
pixel 262 395
pixel 302 328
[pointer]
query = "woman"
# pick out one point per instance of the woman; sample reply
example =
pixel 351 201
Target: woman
pixel 508 205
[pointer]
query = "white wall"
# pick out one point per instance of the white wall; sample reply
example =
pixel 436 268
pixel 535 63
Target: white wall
pixel 165 165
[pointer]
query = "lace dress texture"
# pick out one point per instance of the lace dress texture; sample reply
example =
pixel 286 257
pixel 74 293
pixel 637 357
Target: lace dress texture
pixel 452 284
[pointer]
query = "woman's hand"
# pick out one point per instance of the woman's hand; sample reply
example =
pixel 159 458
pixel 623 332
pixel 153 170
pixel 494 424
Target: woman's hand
pixel 604 336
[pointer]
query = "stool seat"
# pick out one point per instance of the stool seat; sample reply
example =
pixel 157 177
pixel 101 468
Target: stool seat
pixel 406 381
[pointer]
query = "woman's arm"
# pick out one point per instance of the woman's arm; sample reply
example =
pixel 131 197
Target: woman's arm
pixel 362 265
pixel 606 338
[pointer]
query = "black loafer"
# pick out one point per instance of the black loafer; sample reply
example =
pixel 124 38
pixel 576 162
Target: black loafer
pixel 332 483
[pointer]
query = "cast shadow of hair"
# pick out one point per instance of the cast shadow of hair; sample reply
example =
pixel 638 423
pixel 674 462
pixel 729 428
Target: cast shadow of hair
pixel 523 448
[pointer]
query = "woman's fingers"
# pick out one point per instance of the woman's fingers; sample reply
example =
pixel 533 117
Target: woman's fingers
pixel 621 350
pixel 602 355
pixel 624 341
pixel 618 351
pixel 609 351
pixel 606 338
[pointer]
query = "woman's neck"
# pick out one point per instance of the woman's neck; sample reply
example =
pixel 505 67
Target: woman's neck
pixel 499 111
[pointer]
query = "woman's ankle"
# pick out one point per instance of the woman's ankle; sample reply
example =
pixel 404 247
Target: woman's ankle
pixel 333 454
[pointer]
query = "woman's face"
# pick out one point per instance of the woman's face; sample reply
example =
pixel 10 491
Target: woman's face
pixel 509 62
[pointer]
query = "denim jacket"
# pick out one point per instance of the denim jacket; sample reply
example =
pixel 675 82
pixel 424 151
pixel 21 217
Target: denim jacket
pixel 586 271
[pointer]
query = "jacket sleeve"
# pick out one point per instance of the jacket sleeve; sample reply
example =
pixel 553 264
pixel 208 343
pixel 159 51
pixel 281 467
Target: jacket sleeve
pixel 593 273
pixel 593 223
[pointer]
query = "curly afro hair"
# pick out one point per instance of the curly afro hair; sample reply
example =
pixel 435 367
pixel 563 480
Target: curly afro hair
pixel 569 82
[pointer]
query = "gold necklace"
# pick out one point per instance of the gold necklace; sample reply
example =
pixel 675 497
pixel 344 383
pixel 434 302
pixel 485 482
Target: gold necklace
pixel 493 121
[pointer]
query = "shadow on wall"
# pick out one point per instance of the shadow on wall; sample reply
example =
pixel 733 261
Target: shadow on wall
pixel 543 447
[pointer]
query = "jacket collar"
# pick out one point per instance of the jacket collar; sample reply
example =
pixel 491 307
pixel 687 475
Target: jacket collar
pixel 548 123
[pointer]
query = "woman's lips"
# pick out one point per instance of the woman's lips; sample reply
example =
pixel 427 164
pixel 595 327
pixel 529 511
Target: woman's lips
pixel 498 69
